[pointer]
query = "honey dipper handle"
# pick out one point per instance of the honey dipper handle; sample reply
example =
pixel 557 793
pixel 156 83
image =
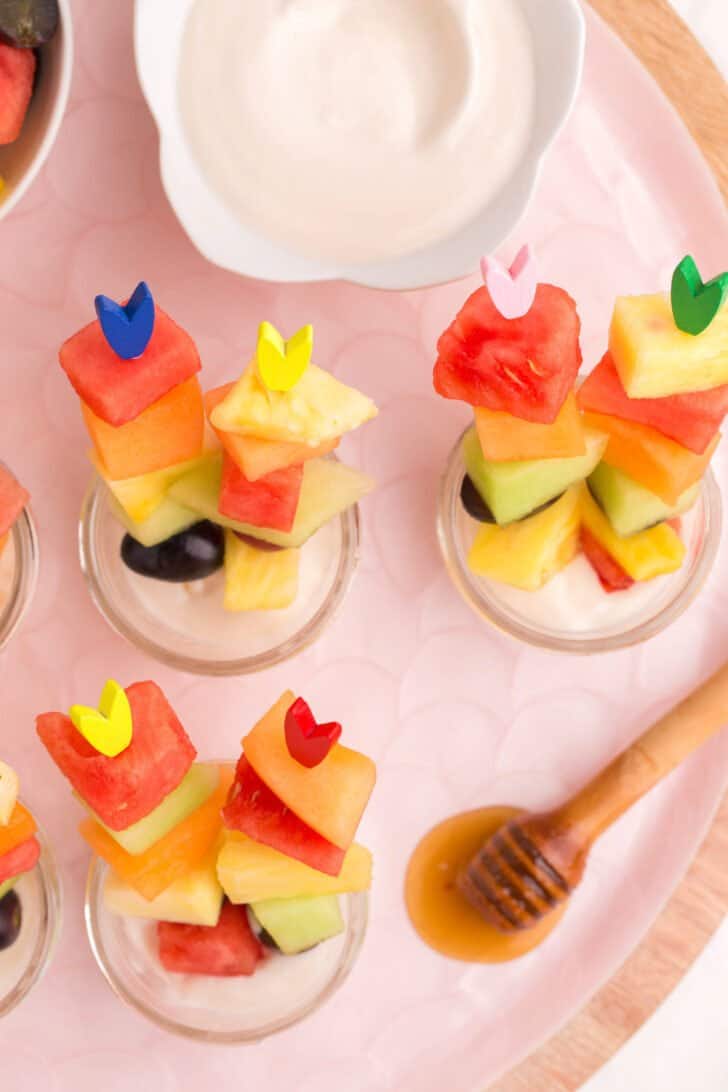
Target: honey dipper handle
pixel 650 758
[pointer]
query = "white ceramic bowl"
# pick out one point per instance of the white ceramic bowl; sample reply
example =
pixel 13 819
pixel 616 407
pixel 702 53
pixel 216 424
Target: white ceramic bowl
pixel 558 31
pixel 21 161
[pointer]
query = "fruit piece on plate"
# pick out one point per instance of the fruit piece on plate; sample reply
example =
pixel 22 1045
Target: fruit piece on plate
pixel 255 457
pixel 254 810
pixel 611 575
pixel 141 495
pixel 330 797
pixel 655 359
pixel 194 899
pixel 21 858
pixel 524 366
pixel 653 460
pixel 118 391
pixel 197 786
pixel 328 489
pixel 528 553
pixel 258 579
pixel 250 871
pixel 183 848
pixel 299 924
pixel 630 507
pixel 20 828
pixel 689 419
pixel 268 502
pixel 505 438
pixel 168 519
pixel 192 554
pixel 317 409
pixel 227 949
pixel 170 431
pixel 643 556
pixel 17 73
pixel 124 789
pixel 13 499
pixel 512 490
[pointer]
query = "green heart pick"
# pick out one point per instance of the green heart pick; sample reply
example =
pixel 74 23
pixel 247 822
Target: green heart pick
pixel 694 304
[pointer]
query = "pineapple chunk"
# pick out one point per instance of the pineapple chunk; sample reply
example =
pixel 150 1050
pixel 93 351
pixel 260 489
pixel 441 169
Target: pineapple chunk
pixel 647 554
pixel 527 554
pixel 142 495
pixel 258 579
pixel 655 359
pixel 317 409
pixel 250 872
pixel 195 899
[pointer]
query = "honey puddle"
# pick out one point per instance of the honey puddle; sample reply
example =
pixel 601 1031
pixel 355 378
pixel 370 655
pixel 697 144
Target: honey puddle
pixel 441 916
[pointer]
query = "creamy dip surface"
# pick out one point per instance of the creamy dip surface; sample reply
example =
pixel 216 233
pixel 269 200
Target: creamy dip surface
pixel 356 130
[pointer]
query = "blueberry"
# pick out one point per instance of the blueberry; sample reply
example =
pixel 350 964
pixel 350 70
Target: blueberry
pixel 473 503
pixel 11 916
pixel 190 555
pixel 28 23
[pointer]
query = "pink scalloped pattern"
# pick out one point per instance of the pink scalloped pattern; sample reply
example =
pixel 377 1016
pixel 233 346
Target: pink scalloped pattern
pixel 454 714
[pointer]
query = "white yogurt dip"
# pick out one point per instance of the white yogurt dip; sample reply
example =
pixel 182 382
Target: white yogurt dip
pixel 356 130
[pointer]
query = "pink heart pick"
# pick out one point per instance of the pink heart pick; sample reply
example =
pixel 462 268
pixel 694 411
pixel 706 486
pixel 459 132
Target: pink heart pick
pixel 512 290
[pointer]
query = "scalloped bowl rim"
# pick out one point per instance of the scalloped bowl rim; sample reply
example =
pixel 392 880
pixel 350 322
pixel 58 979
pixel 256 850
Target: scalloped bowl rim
pixel 559 40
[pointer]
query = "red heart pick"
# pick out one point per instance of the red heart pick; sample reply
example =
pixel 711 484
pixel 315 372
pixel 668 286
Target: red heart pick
pixel 308 742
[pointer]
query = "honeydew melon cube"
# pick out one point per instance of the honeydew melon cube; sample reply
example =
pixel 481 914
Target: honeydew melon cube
pixel 629 506
pixel 299 924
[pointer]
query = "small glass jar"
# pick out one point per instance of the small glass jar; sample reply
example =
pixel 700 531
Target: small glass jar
pixel 283 991
pixel 25 961
pixel 572 613
pixel 18 575
pixel 185 625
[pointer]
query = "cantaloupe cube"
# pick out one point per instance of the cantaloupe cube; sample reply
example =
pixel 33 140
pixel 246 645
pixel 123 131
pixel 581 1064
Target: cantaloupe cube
pixel 21 827
pixel 317 409
pixel 652 459
pixel 330 797
pixel 251 871
pixel 647 554
pixel 194 899
pixel 141 495
pixel 255 457
pixel 505 438
pixel 168 432
pixel 529 553
pixel 183 848
pixel 655 359
pixel 258 579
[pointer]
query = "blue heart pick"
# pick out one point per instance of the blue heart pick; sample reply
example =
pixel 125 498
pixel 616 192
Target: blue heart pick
pixel 128 329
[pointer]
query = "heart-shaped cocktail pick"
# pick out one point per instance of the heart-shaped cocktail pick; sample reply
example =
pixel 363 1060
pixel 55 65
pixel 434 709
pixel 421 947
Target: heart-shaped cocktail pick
pixel 281 364
pixel 9 789
pixel 109 728
pixel 308 742
pixel 512 290
pixel 128 327
pixel 695 303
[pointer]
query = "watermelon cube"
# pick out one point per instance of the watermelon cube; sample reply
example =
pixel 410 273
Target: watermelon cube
pixel 525 366
pixel 256 811
pixel 269 502
pixel 331 797
pixel 117 390
pixel 13 499
pixel 122 790
pixel 691 419
pixel 168 432
pixel 227 949
pixel 17 74
pixel 22 858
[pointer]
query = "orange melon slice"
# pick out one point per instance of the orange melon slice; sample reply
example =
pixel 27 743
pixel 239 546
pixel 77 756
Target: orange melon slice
pixel 505 438
pixel 20 828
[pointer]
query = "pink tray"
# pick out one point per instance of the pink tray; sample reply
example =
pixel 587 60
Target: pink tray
pixel 455 714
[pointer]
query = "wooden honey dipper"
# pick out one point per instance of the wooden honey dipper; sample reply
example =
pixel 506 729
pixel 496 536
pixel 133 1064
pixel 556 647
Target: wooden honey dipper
pixel 532 864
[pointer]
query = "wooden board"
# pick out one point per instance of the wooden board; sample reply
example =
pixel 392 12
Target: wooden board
pixel 690 79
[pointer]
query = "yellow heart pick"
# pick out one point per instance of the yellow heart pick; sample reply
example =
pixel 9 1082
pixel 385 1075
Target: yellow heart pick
pixel 281 364
pixel 109 728
pixel 9 788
